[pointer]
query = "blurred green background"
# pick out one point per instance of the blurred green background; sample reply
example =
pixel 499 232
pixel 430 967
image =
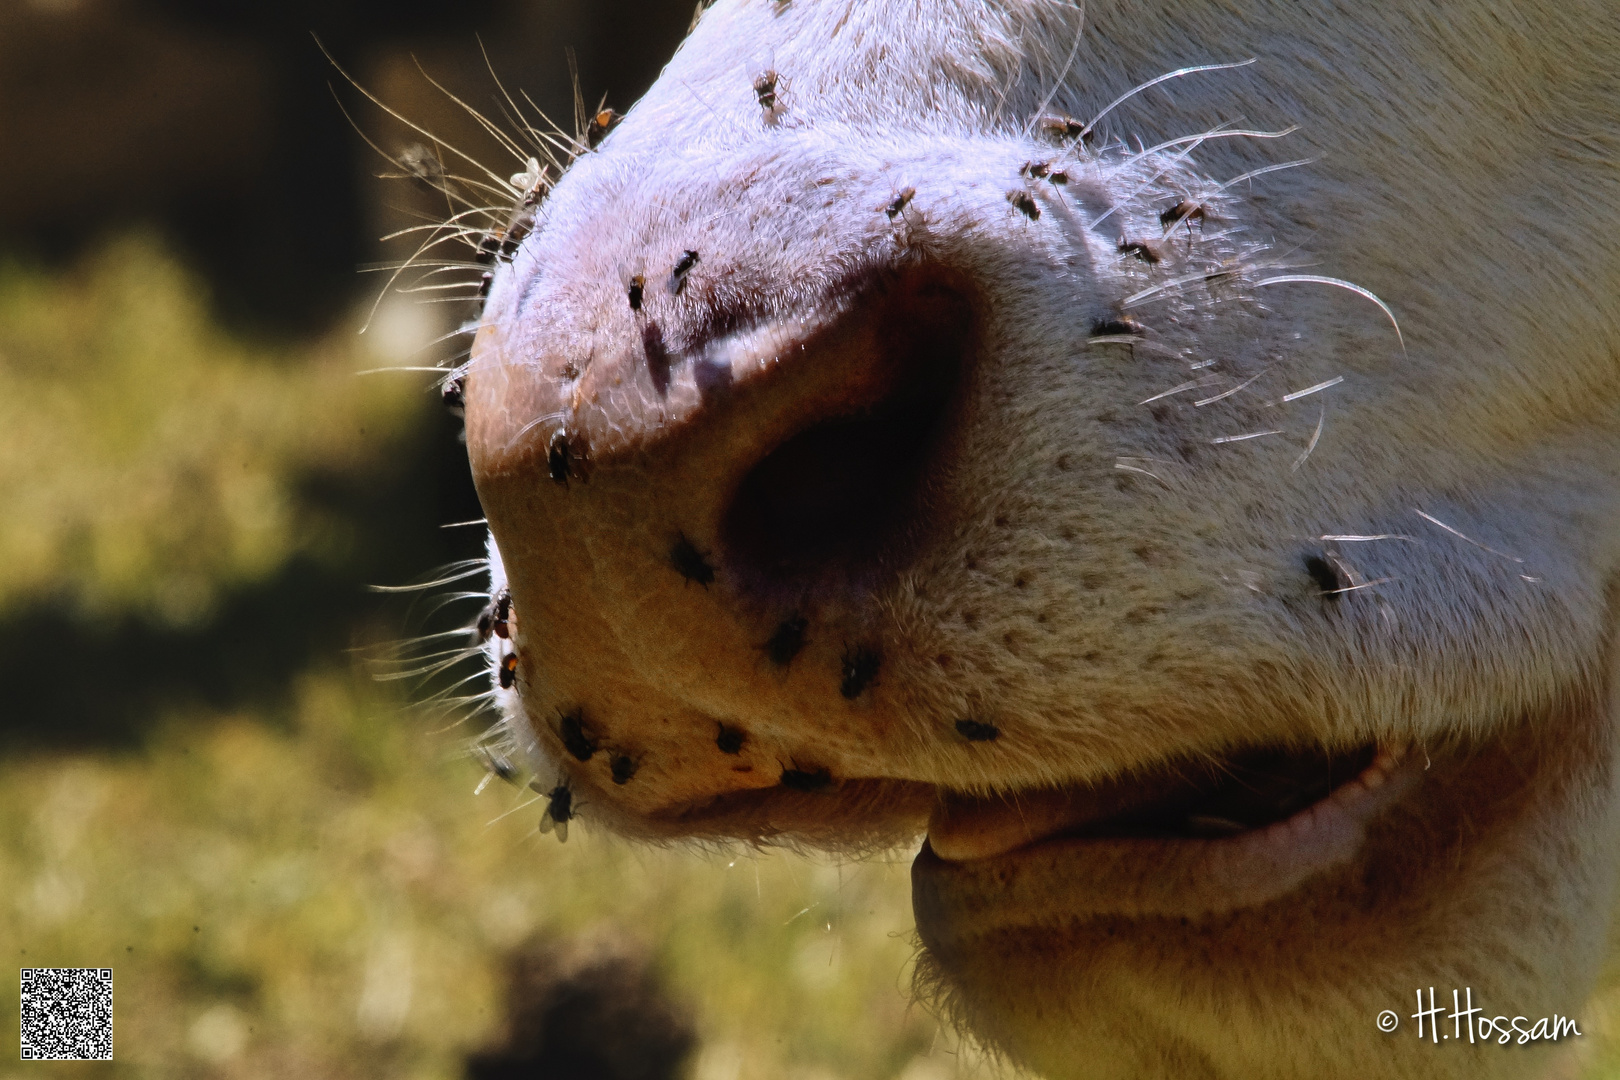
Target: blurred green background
pixel 202 782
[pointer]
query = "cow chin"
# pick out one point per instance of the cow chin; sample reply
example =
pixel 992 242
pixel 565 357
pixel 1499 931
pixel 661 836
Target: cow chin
pixel 1327 978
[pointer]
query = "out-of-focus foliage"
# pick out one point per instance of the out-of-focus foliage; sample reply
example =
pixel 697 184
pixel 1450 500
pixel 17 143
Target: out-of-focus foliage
pixel 148 462
pixel 333 901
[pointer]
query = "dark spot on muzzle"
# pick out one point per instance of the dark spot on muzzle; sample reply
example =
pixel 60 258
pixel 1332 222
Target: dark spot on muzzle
pixel 623 769
pixel 977 730
pixel 571 730
pixel 787 640
pixel 1328 577
pixel 729 740
pixel 860 668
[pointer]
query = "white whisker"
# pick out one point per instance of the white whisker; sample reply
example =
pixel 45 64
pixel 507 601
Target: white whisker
pixel 1363 585
pixel 1057 84
pixel 1309 390
pixel 1340 283
pixel 1316 436
pixel 1236 389
pixel 1484 547
pixel 1173 390
pixel 1166 77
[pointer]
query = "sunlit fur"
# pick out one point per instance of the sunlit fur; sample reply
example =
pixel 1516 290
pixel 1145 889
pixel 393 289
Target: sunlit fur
pixel 1399 356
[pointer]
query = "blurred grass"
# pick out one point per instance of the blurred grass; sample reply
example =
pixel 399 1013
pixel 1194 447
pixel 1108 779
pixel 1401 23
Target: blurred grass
pixel 312 889
pixel 149 462
pixel 330 900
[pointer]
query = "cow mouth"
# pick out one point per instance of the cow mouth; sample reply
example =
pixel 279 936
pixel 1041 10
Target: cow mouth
pixel 1178 840
pixel 1221 798
pixel 1185 837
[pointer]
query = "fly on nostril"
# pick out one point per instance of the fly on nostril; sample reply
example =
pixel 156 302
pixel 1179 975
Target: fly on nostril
pixel 689 562
pixel 508 672
pixel 683 267
pixel 571 730
pixel 637 284
pixel 623 769
pixel 806 779
pixel 787 640
pixel 860 668
pixel 729 740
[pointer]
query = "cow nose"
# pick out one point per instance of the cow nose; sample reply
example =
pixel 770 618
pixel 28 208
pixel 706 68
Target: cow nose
pixel 798 446
pixel 695 496
pixel 841 492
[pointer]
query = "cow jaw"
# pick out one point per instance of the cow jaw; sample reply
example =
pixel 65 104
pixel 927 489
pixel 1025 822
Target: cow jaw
pixel 1135 980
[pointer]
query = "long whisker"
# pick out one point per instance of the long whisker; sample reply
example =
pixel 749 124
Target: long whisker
pixel 1340 283
pixel 1167 76
pixel 1063 73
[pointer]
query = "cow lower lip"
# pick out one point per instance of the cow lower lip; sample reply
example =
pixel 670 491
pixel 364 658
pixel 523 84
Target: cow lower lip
pixel 1166 852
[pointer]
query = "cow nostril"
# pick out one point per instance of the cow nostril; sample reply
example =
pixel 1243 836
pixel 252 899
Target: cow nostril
pixel 845 492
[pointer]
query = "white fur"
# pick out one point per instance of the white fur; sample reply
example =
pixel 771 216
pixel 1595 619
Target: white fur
pixel 1463 469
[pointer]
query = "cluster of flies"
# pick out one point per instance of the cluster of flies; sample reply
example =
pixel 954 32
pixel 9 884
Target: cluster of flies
pixel 860 664
pixel 495 621
pixel 500 245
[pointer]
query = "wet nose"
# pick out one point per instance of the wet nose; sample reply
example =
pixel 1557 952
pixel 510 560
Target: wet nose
pixel 696 476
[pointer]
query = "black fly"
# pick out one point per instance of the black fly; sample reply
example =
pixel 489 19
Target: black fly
pixel 495 764
pixel 559 458
pixel 559 809
pixel 900 201
pixel 571 728
pixel 677 276
pixel 689 562
pixel 494 618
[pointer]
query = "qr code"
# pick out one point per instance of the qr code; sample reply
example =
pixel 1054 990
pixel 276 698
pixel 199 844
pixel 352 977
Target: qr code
pixel 67 1014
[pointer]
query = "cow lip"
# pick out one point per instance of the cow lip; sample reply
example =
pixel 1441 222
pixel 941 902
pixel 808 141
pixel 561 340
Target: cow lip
pixel 1105 853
